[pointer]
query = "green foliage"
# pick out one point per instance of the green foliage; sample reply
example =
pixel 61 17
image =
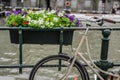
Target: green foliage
pixel 41 19
pixel 14 20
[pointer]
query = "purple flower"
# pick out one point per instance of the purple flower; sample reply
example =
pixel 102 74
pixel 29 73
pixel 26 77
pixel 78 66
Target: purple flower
pixel 57 12
pixel 24 13
pixel 16 12
pixel 66 15
pixel 7 13
pixel 71 18
pixel 77 22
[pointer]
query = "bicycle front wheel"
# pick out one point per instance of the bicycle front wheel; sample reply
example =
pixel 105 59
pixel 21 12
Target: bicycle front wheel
pixel 54 68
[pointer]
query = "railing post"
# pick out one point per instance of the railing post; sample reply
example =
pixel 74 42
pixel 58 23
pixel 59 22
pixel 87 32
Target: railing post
pixel 104 64
pixel 61 41
pixel 60 47
pixel 105 44
pixel 20 49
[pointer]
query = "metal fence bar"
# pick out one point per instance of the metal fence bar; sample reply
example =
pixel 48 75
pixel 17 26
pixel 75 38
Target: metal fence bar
pixel 64 28
pixel 16 66
pixel 20 50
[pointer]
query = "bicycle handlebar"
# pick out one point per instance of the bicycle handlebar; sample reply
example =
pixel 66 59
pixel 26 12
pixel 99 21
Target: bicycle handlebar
pixel 100 20
pixel 109 20
pixel 106 19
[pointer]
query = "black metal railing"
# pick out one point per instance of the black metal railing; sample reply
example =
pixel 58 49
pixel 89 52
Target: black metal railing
pixel 103 63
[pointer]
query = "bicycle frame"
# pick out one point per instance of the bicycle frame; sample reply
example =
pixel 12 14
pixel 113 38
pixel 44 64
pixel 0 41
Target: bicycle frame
pixel 91 65
pixel 83 72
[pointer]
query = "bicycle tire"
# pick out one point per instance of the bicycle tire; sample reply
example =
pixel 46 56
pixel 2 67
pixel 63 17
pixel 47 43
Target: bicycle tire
pixel 83 74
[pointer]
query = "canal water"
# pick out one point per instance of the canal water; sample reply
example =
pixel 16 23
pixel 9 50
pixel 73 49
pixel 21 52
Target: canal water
pixel 32 53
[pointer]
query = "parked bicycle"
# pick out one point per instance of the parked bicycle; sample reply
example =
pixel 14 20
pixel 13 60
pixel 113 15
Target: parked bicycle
pixel 65 67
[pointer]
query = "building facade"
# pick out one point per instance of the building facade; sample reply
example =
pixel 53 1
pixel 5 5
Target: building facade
pixel 76 5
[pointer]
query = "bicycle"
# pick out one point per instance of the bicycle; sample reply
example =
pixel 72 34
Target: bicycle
pixel 71 64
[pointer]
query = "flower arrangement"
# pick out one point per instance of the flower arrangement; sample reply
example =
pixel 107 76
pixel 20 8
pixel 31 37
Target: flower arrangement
pixel 41 19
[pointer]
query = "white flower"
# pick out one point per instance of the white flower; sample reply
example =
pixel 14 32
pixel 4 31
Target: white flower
pixel 63 12
pixel 60 14
pixel 47 23
pixel 30 11
pixel 42 26
pixel 33 22
pixel 44 16
pixel 41 21
pixel 53 11
pixel 49 13
pixel 37 12
pixel 28 18
pixel 42 11
pixel 55 19
pixel 51 23
pixel 23 16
